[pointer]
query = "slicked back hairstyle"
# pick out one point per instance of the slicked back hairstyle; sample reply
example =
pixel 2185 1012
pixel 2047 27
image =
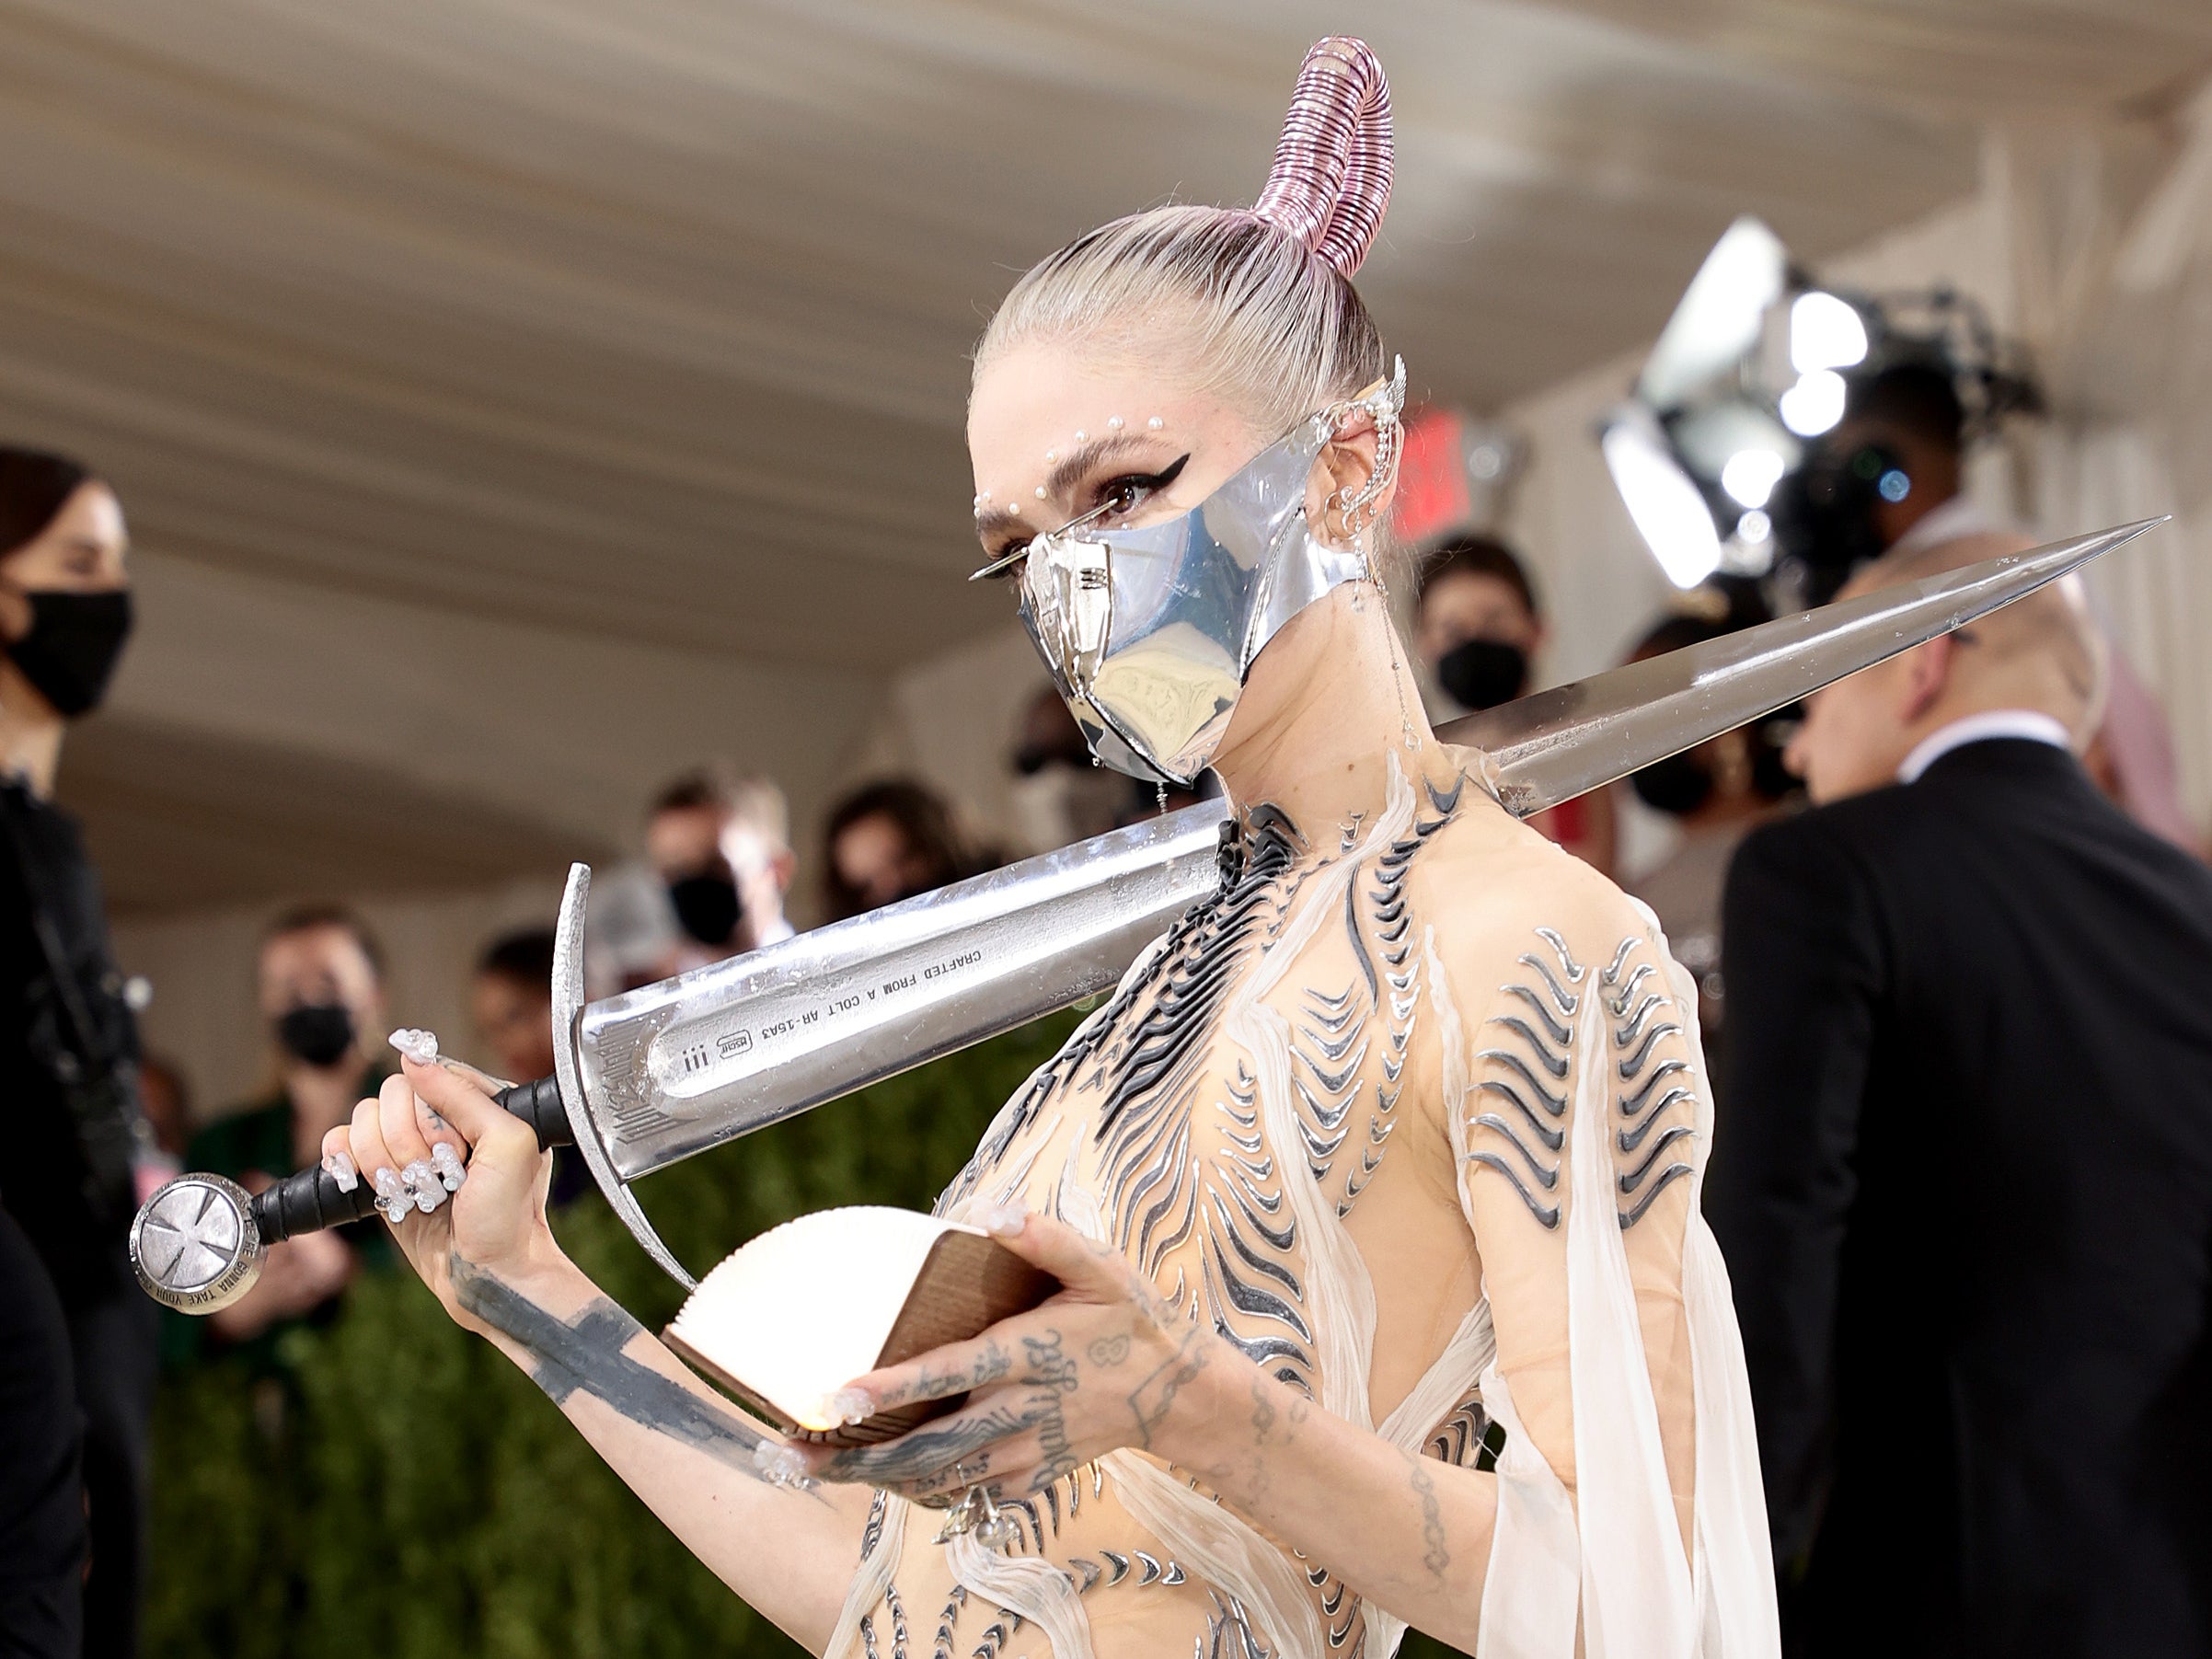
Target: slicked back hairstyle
pixel 1258 301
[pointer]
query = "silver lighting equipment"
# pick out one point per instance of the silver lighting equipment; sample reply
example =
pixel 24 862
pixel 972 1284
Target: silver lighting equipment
pixel 1751 371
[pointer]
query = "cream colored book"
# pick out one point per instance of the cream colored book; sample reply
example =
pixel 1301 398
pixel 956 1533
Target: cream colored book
pixel 807 1306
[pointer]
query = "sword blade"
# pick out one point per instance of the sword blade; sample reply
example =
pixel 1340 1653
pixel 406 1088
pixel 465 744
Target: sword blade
pixel 676 1067
pixel 1560 743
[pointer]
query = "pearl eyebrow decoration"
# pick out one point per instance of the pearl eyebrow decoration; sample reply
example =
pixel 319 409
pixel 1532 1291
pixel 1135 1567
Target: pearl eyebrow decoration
pixel 1156 423
pixel 1051 455
pixel 1114 423
pixel 1039 492
pixel 1082 436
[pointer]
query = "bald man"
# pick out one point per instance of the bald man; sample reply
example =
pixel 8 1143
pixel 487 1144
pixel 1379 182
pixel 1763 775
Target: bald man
pixel 1964 1185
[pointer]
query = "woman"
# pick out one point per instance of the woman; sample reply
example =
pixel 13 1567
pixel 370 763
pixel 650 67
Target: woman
pixel 1476 625
pixel 68 1065
pixel 1717 794
pixel 1386 1155
pixel 887 841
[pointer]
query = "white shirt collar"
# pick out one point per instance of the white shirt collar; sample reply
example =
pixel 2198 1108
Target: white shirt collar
pixel 1946 520
pixel 2030 723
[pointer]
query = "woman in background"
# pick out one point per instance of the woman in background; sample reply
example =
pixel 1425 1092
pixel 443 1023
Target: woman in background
pixel 76 1336
pixel 889 841
pixel 1479 629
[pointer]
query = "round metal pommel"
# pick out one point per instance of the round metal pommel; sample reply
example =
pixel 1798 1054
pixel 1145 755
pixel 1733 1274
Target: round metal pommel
pixel 195 1246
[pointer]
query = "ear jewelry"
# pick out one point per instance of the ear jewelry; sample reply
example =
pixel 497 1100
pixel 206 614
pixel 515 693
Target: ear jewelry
pixel 1357 513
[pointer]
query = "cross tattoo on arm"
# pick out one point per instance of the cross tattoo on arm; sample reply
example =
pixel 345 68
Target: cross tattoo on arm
pixel 586 1355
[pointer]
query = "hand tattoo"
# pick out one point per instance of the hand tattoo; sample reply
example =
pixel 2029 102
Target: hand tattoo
pixel 584 1355
pixel 1053 1371
pixel 1150 1399
pixel 989 1365
pixel 1109 1349
pixel 934 1455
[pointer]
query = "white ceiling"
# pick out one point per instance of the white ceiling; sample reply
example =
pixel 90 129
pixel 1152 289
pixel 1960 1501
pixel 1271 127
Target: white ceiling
pixel 648 320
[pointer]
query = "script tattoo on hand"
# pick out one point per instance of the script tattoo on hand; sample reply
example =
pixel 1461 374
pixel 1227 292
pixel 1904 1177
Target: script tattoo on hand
pixel 584 1355
pixel 992 1363
pixel 1053 1371
pixel 933 1455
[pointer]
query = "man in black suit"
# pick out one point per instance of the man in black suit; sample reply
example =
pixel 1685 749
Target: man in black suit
pixel 1965 1184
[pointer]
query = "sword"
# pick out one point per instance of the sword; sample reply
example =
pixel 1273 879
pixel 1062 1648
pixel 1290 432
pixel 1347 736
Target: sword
pixel 650 1077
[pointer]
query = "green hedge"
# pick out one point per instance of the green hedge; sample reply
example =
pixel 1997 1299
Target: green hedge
pixel 397 1487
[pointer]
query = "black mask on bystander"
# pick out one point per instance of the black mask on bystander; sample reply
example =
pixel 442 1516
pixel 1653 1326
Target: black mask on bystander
pixel 1483 674
pixel 72 647
pixel 1678 785
pixel 706 906
pixel 316 1033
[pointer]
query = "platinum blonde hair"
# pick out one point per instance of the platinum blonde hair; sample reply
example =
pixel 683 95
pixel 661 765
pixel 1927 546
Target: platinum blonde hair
pixel 1257 302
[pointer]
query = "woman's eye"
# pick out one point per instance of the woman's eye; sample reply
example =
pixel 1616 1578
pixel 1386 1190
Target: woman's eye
pixel 1126 494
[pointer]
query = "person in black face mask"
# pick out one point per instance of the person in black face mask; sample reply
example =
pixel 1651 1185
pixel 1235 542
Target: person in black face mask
pixel 1478 630
pixel 76 1341
pixel 1717 794
pixel 720 847
pixel 320 985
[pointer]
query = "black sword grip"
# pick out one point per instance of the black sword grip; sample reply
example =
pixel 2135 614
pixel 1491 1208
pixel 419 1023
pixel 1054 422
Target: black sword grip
pixel 310 1199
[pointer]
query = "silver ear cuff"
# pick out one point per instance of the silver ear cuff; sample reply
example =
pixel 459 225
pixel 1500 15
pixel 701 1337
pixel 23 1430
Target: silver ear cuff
pixel 1358 511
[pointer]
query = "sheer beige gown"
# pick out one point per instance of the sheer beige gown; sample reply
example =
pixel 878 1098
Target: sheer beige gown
pixel 1411 1113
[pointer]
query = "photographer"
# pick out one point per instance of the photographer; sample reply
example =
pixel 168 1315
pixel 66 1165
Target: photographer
pixel 68 1060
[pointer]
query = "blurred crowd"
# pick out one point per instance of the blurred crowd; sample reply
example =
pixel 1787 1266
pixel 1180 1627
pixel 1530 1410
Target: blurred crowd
pixel 716 874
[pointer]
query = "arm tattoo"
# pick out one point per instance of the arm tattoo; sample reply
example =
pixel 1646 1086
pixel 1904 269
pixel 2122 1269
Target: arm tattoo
pixel 1435 1558
pixel 584 1355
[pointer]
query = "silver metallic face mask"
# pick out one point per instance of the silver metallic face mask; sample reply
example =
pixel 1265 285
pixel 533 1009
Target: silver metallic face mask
pixel 1149 633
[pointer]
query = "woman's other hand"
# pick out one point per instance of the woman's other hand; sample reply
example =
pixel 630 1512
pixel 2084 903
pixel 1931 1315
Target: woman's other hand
pixel 1104 1363
pixel 489 1215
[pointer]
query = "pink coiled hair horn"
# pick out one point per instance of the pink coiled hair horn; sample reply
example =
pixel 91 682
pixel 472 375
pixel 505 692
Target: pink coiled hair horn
pixel 1331 177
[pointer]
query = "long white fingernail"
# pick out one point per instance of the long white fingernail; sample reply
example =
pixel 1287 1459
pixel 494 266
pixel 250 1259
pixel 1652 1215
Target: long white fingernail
pixel 420 1046
pixel 339 1167
pixel 391 1195
pixel 846 1405
pixel 447 1162
pixel 1005 1220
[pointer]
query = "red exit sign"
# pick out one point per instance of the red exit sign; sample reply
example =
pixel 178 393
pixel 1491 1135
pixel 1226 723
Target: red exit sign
pixel 1433 495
